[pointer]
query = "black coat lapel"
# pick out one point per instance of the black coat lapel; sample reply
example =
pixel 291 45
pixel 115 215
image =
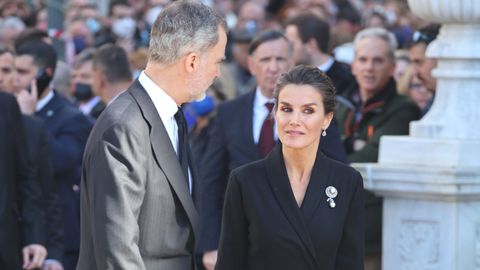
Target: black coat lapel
pixel 164 151
pixel 320 179
pixel 280 184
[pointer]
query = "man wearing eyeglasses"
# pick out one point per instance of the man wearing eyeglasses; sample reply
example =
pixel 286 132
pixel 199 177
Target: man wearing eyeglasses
pixel 422 64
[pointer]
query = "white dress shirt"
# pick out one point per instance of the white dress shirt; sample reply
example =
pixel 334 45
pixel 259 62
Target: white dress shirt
pixel 43 101
pixel 166 108
pixel 260 112
pixel 327 65
pixel 88 106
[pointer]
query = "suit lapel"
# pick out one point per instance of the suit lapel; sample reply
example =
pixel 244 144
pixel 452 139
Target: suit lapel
pixel 51 108
pixel 194 172
pixel 247 129
pixel 280 184
pixel 164 152
pixel 318 181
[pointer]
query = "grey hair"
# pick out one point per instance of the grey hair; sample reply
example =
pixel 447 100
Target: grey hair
pixel 13 23
pixel 381 33
pixel 182 27
pixel 84 57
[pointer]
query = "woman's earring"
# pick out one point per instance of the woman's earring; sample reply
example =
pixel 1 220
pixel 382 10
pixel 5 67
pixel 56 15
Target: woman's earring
pixel 324 133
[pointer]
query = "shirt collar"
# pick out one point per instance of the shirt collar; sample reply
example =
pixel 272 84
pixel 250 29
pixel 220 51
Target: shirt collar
pixel 87 107
pixel 165 105
pixel 327 65
pixel 43 101
pixel 260 99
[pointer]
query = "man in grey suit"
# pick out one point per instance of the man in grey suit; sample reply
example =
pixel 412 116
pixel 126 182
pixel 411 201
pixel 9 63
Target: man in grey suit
pixel 137 210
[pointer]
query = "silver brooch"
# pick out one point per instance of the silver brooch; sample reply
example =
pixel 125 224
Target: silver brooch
pixel 331 193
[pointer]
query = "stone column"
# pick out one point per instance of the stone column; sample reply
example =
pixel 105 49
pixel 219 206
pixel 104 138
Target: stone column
pixel 430 180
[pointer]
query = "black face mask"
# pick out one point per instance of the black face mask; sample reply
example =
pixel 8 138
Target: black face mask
pixel 83 92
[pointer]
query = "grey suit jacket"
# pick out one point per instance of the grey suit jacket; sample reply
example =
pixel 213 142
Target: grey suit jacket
pixel 136 209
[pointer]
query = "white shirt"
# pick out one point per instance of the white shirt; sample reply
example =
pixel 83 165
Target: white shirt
pixel 43 101
pixel 327 65
pixel 260 112
pixel 166 108
pixel 87 107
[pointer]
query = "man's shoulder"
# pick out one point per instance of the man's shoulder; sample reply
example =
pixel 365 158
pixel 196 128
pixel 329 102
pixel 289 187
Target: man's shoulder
pixel 240 102
pixel 340 70
pixel 249 171
pixel 6 98
pixel 62 108
pixel 33 123
pixel 7 102
pixel 401 103
pixel 123 111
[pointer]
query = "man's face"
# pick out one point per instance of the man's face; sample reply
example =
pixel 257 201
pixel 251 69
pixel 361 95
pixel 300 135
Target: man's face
pixel 6 73
pixel 122 11
pixel 422 65
pixel 251 14
pixel 97 76
pixel 240 54
pixel 82 74
pixel 300 55
pixel 268 62
pixel 372 66
pixel 26 71
pixel 209 67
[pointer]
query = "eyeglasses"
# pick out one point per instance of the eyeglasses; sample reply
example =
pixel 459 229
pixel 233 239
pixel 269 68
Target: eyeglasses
pixel 418 37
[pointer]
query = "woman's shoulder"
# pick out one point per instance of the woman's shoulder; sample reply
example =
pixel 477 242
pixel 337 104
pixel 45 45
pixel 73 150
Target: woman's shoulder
pixel 341 169
pixel 250 170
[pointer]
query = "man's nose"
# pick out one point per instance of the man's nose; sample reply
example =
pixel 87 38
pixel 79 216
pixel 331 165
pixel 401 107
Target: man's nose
pixel 273 65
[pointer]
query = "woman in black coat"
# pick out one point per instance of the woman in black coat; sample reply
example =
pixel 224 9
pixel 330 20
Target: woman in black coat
pixel 295 209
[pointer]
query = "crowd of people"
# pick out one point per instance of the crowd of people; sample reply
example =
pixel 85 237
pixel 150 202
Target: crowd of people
pixel 202 134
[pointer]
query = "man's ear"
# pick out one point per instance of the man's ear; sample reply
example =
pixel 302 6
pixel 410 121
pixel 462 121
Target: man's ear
pixel 311 46
pixel 103 79
pixel 251 65
pixel 191 62
pixel 49 72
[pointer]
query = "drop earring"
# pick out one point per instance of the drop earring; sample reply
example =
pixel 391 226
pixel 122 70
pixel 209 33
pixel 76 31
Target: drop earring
pixel 324 133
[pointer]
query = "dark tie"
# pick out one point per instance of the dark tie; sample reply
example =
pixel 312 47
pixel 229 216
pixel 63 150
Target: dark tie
pixel 182 141
pixel 266 141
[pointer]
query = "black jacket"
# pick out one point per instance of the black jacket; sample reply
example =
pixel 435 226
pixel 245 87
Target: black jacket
pixel 263 227
pixel 22 219
pixel 37 143
pixel 67 130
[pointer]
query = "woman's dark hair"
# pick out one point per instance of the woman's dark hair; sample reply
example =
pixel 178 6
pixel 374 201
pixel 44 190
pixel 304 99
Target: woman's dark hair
pixel 312 76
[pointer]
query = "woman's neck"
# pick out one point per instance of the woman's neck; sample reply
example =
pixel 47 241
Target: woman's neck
pixel 299 162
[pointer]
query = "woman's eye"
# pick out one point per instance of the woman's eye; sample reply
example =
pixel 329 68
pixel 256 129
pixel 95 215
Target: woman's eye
pixel 285 109
pixel 308 111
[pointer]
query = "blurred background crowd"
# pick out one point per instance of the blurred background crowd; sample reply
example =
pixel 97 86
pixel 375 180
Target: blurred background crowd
pixel 65 61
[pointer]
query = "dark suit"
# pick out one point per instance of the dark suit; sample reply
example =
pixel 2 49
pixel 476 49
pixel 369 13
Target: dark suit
pixel 341 76
pixel 137 212
pixel 37 142
pixel 97 109
pixel 21 215
pixel 231 145
pixel 263 227
pixel 68 130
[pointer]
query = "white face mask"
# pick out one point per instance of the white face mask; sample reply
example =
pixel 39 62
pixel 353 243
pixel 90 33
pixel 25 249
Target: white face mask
pixel 152 14
pixel 124 27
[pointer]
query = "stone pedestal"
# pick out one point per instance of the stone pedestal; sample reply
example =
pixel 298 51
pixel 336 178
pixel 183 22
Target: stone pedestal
pixel 430 180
